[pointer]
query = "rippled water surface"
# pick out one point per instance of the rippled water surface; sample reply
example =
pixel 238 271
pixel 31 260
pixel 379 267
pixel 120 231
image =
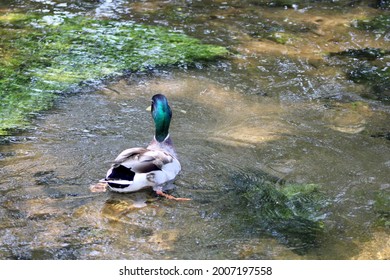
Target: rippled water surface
pixel 283 113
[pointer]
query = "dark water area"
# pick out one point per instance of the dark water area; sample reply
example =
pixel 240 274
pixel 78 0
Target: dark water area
pixel 284 144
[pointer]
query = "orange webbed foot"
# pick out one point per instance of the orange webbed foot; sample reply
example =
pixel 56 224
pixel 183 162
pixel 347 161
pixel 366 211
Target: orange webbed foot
pixel 168 196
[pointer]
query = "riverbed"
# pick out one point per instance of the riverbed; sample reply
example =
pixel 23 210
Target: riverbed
pixel 274 111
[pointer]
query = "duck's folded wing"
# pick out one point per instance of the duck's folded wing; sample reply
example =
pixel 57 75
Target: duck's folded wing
pixel 138 160
pixel 129 155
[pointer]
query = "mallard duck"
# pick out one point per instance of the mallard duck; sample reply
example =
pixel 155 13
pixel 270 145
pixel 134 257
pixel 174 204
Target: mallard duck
pixel 155 166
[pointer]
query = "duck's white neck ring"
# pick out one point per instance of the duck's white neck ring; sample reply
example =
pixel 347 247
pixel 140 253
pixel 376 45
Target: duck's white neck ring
pixel 165 139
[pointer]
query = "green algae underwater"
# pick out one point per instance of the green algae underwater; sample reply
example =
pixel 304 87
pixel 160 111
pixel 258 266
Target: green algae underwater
pixel 42 56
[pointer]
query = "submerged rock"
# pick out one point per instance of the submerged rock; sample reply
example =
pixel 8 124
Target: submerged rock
pixel 378 248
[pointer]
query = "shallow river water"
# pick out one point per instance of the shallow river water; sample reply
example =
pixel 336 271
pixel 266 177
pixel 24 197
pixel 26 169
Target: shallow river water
pixel 280 111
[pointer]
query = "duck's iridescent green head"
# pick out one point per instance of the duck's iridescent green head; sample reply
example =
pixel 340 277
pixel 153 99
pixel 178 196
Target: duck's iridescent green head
pixel 162 115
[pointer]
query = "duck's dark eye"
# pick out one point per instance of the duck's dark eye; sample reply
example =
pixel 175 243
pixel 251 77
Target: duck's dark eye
pixel 152 107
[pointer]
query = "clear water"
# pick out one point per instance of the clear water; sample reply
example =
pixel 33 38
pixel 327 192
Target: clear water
pixel 273 109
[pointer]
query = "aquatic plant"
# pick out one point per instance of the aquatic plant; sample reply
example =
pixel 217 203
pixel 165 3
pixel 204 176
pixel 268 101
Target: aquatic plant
pixel 365 53
pixel 368 66
pixel 41 56
pixel 279 37
pixel 280 3
pixel 376 76
pixel 374 72
pixel 379 23
pixel 292 213
pixel 382 209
